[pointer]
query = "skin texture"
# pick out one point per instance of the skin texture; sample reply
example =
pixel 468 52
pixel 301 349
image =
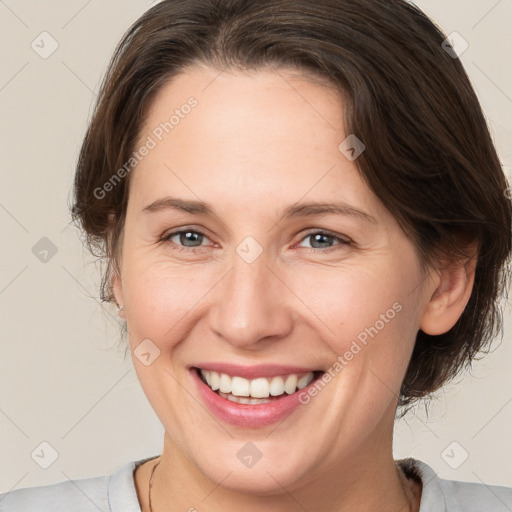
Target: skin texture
pixel 256 143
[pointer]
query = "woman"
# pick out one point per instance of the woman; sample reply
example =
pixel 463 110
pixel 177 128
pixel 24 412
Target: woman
pixel 307 230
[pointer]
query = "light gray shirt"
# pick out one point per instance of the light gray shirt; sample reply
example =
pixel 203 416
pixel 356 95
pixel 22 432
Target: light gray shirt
pixel 117 493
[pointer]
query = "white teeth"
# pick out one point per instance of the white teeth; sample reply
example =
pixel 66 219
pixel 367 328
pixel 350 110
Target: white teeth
pixel 215 380
pixel 244 400
pixel 276 386
pixel 303 381
pixel 225 383
pixel 259 388
pixel 240 386
pixel 290 384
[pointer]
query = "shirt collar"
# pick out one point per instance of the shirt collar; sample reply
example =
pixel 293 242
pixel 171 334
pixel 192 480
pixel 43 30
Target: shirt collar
pixel 432 495
pixel 122 494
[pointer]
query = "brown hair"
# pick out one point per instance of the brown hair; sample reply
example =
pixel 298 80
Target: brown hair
pixel 429 156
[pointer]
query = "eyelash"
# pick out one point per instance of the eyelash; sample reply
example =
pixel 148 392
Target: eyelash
pixel 180 248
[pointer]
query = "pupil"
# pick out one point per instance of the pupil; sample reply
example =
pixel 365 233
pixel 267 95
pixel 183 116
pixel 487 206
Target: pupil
pixel 190 236
pixel 318 238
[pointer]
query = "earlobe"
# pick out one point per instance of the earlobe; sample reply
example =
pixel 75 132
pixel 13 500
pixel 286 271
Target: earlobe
pixel 450 296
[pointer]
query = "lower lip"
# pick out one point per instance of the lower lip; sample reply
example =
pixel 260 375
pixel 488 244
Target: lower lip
pixel 247 415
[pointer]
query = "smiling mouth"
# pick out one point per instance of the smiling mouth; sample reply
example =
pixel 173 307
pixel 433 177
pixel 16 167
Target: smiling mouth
pixel 255 391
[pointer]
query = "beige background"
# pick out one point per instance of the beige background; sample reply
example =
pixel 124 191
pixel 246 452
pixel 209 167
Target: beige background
pixel 63 379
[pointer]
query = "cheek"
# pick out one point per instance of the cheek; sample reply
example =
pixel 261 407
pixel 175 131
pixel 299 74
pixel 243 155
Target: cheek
pixel 347 300
pixel 162 297
pixel 367 315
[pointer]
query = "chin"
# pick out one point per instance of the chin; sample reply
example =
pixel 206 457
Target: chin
pixel 268 480
pixel 264 476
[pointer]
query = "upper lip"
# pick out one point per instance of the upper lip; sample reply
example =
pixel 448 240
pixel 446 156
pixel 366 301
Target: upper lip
pixel 253 371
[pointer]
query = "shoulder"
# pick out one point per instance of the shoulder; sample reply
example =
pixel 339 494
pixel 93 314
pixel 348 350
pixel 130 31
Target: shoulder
pixel 82 495
pixel 476 497
pixel 441 495
pixel 113 493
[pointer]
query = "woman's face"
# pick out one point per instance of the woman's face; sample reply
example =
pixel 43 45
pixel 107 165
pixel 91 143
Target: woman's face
pixel 266 284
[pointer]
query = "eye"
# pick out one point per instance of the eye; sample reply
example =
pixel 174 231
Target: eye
pixel 193 240
pixel 325 240
pixel 186 238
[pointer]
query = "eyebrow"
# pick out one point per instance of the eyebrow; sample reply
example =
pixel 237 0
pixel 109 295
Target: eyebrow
pixel 295 210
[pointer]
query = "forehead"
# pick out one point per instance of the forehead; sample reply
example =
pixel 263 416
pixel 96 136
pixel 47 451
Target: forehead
pixel 272 134
pixel 262 105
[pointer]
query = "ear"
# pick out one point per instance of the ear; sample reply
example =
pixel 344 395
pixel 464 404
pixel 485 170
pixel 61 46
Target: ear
pixel 116 283
pixel 117 287
pixel 452 290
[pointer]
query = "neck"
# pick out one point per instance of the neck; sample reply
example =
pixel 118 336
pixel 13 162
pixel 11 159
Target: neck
pixel 360 482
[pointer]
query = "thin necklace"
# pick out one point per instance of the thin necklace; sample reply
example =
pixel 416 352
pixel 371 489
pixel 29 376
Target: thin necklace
pixel 151 483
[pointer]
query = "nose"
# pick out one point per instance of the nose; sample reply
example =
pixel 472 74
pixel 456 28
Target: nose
pixel 252 306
